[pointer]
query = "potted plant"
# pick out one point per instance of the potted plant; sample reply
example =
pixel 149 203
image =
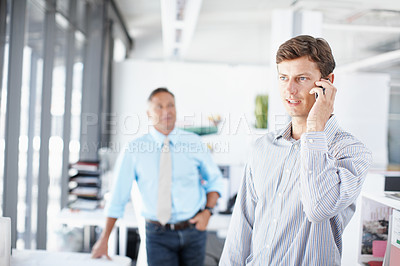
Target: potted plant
pixel 261 111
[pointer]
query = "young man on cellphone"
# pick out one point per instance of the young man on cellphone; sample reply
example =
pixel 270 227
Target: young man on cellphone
pixel 301 182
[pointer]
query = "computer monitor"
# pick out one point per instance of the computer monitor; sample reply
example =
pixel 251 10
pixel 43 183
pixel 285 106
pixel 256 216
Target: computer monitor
pixel 392 186
pixel 392 183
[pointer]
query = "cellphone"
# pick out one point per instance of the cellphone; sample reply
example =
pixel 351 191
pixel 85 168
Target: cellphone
pixel 323 89
pixel 316 94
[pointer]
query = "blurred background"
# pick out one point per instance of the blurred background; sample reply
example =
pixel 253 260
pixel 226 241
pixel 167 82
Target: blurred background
pixel 75 76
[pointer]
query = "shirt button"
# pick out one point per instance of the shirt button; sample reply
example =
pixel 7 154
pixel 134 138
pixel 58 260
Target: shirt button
pixel 310 172
pixel 287 170
pixel 296 146
pixel 267 246
pixel 280 194
pixel 274 220
pixel 311 140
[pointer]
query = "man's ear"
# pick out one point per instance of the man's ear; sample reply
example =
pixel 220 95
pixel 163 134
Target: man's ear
pixel 331 77
pixel 148 113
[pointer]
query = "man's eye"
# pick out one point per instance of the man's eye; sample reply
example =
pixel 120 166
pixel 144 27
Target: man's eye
pixel 282 78
pixel 302 78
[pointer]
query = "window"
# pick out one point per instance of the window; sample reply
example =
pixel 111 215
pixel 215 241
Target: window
pixel 4 35
pixel 394 125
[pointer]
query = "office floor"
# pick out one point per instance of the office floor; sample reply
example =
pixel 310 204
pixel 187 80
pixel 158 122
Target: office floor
pixel 213 249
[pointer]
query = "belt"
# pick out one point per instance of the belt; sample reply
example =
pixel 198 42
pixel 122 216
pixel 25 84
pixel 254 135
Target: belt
pixel 178 226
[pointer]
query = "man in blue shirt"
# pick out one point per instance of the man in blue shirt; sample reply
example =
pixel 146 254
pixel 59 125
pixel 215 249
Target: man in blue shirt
pixel 176 212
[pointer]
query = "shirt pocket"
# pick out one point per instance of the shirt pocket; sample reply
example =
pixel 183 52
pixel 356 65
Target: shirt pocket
pixel 185 170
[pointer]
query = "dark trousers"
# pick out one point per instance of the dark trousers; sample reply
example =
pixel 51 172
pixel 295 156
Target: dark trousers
pixel 175 247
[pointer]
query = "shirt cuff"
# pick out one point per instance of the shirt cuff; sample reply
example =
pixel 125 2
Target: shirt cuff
pixel 315 141
pixel 113 212
pixel 214 189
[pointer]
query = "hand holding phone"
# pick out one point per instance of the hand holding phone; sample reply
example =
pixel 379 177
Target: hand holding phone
pixel 323 107
pixel 323 90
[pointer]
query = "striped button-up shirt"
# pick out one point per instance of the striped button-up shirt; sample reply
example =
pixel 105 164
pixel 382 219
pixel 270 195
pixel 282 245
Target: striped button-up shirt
pixel 296 198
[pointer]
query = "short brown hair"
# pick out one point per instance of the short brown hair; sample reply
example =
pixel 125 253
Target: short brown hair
pixel 158 90
pixel 317 50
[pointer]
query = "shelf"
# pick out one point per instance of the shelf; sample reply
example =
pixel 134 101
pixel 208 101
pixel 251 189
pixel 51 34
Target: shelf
pixel 376 211
pixel 84 184
pixel 201 130
pixel 86 192
pixel 86 166
pixel 381 198
pixel 86 181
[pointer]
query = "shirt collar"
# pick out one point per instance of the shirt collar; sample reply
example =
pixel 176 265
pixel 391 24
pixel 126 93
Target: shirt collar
pixel 285 132
pixel 330 129
pixel 159 137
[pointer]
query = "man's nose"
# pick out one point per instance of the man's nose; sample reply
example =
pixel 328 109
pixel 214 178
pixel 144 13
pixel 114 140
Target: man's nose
pixel 165 111
pixel 291 87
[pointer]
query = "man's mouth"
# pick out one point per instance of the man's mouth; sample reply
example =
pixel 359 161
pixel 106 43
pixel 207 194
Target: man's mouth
pixel 167 118
pixel 293 101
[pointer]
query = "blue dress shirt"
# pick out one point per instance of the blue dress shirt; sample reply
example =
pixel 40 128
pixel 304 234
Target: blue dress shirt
pixel 194 174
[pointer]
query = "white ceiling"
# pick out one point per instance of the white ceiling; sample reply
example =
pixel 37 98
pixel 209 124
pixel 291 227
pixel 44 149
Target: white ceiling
pixel 238 31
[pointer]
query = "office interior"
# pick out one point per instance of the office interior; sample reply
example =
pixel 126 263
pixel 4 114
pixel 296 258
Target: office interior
pixel 75 76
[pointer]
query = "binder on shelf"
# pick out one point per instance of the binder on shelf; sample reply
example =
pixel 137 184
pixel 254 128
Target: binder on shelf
pixel 87 192
pixel 85 185
pixel 83 204
pixel 73 172
pixel 85 180
pixel 86 166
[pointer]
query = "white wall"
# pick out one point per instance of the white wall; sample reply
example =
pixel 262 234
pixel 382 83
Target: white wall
pixel 362 106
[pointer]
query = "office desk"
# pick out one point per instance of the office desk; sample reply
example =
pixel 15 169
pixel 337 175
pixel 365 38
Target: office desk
pixel 48 258
pixel 218 223
pixel 97 218
pixel 83 218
